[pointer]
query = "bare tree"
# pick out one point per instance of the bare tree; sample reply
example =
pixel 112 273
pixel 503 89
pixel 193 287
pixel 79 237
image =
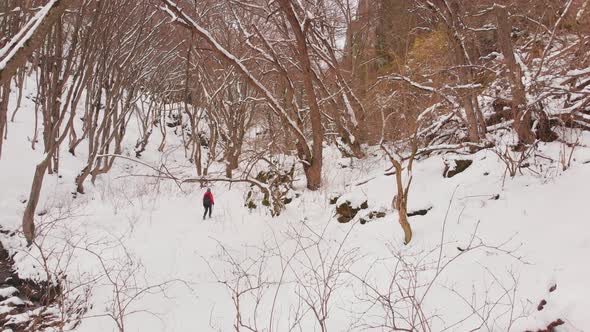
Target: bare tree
pixel 231 109
pixel 451 14
pixel 127 288
pixel 522 116
pixel 305 62
pixel 123 69
pixel 58 112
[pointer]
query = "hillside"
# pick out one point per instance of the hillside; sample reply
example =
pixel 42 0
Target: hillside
pixel 523 235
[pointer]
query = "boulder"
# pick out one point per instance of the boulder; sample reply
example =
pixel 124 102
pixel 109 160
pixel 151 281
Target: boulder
pixel 419 212
pixel 372 215
pixel 348 206
pixel 334 197
pixel 456 166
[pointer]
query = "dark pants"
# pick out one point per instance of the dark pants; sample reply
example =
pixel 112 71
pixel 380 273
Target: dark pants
pixel 207 208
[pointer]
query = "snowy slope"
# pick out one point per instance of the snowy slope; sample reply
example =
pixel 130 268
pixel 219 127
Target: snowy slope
pixel 148 233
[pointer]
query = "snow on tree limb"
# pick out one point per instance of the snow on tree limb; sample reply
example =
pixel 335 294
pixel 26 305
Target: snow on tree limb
pixel 426 88
pixel 581 11
pixel 22 45
pixel 552 37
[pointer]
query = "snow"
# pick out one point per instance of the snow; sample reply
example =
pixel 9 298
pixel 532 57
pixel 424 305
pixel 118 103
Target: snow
pixel 26 316
pixel 152 232
pixel 8 291
pixel 579 72
pixel 356 199
pixel 412 83
pixel 349 110
pixel 12 301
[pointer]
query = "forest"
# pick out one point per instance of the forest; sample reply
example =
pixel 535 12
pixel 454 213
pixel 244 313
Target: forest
pixel 381 165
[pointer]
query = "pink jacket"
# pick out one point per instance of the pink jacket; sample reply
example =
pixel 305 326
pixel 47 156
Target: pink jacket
pixel 210 197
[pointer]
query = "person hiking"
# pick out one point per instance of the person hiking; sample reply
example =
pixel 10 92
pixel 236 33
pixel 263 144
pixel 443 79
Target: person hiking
pixel 208 203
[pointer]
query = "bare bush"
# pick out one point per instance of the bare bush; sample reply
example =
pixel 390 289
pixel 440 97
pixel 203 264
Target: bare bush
pixel 514 160
pixel 122 275
pixel 569 142
pixel 312 269
pixel 67 293
pixel 402 300
pixel 391 293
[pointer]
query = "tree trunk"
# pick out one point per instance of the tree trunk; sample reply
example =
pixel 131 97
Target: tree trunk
pixel 4 95
pixel 29 214
pixel 197 156
pixel 82 177
pixel 20 83
pixel 401 202
pixel 475 119
pixel 232 159
pixel 313 172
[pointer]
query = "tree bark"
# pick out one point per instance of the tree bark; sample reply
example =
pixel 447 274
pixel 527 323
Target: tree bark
pixel 4 95
pixel 313 167
pixel 29 214
pixel 400 202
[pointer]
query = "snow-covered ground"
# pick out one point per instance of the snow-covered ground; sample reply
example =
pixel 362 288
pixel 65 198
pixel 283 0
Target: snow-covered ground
pixel 506 241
